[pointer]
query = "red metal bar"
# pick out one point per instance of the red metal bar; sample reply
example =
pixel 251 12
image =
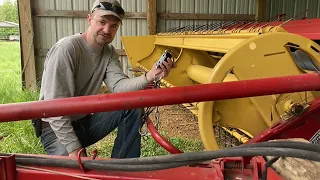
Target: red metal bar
pixel 189 173
pixel 271 173
pixel 159 97
pixel 161 140
pixel 304 126
pixel 215 170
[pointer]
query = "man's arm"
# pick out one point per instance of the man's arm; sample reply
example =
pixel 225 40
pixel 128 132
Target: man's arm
pixel 117 81
pixel 59 83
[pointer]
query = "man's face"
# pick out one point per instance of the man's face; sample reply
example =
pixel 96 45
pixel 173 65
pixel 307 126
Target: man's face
pixel 103 28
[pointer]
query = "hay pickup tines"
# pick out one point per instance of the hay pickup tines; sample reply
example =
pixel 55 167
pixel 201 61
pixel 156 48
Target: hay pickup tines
pixel 308 28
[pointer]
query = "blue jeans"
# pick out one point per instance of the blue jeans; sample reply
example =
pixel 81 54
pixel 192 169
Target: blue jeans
pixel 93 128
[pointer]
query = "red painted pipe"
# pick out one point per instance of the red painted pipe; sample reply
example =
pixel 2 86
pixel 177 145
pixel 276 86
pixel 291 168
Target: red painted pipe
pixel 161 140
pixel 159 97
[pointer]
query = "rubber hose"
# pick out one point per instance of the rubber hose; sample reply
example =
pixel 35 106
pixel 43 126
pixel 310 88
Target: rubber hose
pixel 168 158
pixel 179 160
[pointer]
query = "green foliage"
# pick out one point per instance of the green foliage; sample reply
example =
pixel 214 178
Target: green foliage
pixel 18 137
pixel 9 11
pixel 6 32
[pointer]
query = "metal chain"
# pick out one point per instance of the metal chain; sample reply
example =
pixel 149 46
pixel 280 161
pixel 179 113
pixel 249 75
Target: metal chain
pixel 149 110
pixel 157 113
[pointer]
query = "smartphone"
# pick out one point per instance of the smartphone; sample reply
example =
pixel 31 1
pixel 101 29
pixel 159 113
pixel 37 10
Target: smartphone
pixel 167 54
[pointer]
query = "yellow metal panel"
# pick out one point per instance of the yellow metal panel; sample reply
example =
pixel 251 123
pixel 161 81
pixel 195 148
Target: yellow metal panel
pixel 138 47
pixel 214 43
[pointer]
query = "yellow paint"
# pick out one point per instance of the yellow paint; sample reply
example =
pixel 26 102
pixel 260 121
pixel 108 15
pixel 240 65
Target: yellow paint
pixel 234 55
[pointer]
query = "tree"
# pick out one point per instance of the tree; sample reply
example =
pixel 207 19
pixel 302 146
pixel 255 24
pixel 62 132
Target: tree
pixel 9 11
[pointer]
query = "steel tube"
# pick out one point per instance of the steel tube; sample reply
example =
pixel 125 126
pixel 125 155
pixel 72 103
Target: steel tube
pixel 161 140
pixel 159 97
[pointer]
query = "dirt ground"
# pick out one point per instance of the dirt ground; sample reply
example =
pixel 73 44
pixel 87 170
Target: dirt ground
pixel 177 121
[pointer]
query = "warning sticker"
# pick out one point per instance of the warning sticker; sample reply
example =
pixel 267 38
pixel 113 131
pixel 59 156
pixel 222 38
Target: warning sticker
pixel 315 138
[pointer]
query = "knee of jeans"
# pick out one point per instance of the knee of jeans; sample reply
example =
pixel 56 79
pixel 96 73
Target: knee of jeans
pixel 51 143
pixel 56 148
pixel 136 114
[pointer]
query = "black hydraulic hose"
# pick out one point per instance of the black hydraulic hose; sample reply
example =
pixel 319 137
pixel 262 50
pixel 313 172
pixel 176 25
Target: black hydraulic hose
pixel 285 144
pixel 168 158
pixel 178 160
pixel 164 159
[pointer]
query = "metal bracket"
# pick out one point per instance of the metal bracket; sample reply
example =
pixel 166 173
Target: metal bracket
pixel 8 167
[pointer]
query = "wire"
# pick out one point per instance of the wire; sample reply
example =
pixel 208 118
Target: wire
pixel 172 161
pixel 193 156
pixel 265 168
pixel 279 144
pixel 95 164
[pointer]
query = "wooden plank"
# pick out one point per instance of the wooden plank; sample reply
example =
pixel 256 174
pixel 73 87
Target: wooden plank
pixel 203 16
pixel 27 46
pixel 143 15
pixel 152 17
pixel 80 14
pixel 261 9
pixel 43 52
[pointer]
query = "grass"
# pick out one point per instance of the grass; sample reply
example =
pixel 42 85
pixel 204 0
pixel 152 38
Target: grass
pixel 19 137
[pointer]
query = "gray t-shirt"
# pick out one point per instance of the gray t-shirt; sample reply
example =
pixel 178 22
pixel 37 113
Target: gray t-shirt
pixel 73 68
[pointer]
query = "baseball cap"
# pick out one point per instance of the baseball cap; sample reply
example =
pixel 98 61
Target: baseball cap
pixel 108 7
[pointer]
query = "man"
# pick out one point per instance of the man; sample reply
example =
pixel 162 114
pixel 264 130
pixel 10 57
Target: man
pixel 76 66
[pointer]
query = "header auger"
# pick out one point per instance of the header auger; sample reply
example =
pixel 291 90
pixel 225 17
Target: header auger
pixel 233 52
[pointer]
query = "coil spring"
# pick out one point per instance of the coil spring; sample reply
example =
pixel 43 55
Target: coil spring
pixel 233 165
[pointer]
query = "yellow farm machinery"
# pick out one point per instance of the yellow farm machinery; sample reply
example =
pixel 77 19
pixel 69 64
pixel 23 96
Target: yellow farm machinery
pixel 234 52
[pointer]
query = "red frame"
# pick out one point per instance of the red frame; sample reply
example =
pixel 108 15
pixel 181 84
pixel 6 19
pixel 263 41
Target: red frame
pixel 214 170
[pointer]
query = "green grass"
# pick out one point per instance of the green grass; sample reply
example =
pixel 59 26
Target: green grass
pixel 19 137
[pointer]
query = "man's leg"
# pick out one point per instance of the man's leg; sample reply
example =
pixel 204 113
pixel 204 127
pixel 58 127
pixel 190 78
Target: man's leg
pixel 128 141
pixel 92 129
pixel 51 143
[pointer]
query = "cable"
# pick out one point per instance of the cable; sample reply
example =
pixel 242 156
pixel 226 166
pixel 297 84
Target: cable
pixel 265 168
pixel 192 156
pixel 176 160
pixel 183 157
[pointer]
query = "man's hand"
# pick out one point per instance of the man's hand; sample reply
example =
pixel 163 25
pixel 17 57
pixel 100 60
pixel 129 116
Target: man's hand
pixel 162 72
pixel 75 153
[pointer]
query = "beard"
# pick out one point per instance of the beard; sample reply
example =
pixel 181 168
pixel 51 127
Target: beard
pixel 103 39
